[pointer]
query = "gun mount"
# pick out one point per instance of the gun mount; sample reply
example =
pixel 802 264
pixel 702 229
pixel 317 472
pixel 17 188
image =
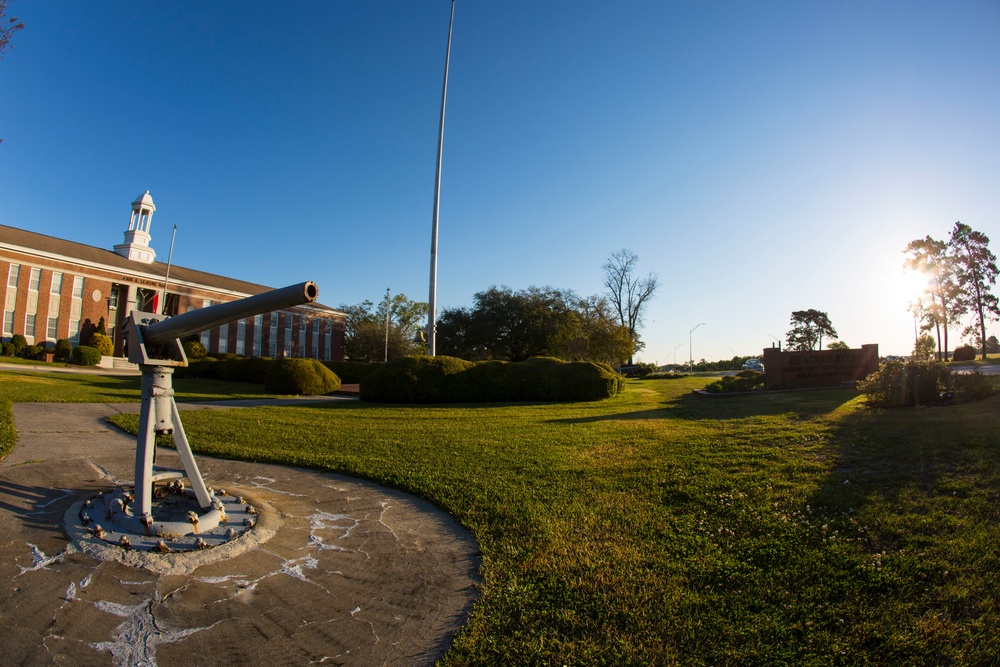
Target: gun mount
pixel 154 344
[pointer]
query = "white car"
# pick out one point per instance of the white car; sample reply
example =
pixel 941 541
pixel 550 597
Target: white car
pixel 753 365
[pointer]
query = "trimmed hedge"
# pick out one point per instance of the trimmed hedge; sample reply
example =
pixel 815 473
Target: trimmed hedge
pixel 964 353
pixel 102 343
pixel 742 381
pixel 451 380
pixel 302 377
pixel 86 355
pixel 63 350
pixel 352 372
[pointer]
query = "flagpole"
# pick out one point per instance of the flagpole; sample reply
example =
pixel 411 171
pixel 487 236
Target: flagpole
pixel 432 298
pixel 166 280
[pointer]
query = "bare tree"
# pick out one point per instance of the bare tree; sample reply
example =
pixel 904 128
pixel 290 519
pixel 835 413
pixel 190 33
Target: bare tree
pixel 627 293
pixel 8 26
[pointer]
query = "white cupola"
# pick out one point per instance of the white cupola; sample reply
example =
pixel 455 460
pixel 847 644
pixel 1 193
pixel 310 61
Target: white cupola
pixel 136 244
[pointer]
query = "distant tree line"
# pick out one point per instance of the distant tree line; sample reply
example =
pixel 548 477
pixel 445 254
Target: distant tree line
pixel 513 325
pixel 961 273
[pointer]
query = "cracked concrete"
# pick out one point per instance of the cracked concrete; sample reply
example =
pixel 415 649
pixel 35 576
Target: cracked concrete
pixel 356 574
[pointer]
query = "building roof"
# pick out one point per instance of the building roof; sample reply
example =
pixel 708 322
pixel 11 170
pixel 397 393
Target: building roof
pixel 55 247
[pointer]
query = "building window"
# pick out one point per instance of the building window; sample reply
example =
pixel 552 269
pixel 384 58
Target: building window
pixel 288 334
pixel 224 338
pixel 303 352
pixel 328 342
pixel 241 337
pixel 258 325
pixel 272 343
pixel 56 287
pixel 11 300
pixel 76 310
pixel 52 330
pixel 36 278
pixel 29 328
pixel 206 336
pixel 315 339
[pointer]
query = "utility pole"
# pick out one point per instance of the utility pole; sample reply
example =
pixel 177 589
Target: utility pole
pixel 387 302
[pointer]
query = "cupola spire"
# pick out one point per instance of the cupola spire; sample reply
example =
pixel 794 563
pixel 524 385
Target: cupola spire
pixel 136 244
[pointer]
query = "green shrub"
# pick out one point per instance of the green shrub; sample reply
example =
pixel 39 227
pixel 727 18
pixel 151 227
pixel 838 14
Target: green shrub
pixel 450 380
pixel 193 349
pixel 964 353
pixel 241 369
pixel 412 380
pixel 19 342
pixel 302 377
pixel 203 368
pixel 972 387
pixel 86 355
pixel 352 372
pixel 742 381
pixel 102 344
pixel 63 350
pixel 899 384
pixel 34 352
pixel 9 350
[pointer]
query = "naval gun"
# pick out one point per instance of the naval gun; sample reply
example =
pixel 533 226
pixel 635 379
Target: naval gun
pixel 154 343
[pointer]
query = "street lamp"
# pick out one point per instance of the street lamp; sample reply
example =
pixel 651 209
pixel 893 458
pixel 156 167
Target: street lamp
pixel 675 352
pixel 776 341
pixel 690 353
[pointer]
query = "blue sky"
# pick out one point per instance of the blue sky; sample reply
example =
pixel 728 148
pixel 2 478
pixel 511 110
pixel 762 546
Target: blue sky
pixel 760 157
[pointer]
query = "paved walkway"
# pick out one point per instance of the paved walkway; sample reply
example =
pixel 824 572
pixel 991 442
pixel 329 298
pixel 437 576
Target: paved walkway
pixel 355 574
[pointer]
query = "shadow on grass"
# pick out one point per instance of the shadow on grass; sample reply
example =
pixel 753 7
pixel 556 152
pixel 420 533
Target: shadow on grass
pixel 925 454
pixel 696 407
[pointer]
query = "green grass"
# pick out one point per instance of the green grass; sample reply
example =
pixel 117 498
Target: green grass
pixel 661 527
pixel 36 387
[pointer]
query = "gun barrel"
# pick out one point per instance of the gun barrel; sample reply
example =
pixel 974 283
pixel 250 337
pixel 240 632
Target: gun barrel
pixel 195 321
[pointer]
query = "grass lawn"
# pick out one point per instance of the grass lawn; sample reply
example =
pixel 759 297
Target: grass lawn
pixel 661 527
pixel 33 386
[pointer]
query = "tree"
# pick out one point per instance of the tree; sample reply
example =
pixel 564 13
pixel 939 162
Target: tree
pixel 923 348
pixel 627 293
pixel 808 329
pixel 7 28
pixel 992 345
pixel 591 332
pixel 365 329
pixel 976 271
pixel 940 305
pixel 838 345
pixel 504 324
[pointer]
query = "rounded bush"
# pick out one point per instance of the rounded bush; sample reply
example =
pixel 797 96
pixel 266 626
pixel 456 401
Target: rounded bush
pixel 450 380
pixel 193 349
pixel 241 369
pixel 9 350
pixel 412 380
pixel 964 353
pixel 64 349
pixel 86 355
pixel 301 377
pixel 34 352
pixel 742 381
pixel 199 368
pixel 352 372
pixel 102 344
pixel 19 342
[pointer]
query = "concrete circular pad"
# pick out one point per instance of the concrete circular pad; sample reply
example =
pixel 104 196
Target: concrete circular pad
pixel 355 574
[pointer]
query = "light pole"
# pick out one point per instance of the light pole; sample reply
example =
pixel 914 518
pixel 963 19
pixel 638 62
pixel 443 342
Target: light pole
pixel 675 352
pixel 432 298
pixel 776 340
pixel 690 352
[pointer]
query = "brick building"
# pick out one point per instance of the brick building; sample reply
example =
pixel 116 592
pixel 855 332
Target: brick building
pixel 53 288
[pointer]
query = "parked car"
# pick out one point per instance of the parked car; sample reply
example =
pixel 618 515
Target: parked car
pixel 753 365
